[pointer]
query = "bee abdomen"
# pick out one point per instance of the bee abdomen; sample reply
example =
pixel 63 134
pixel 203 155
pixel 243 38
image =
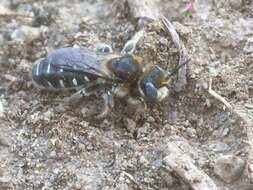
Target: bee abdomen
pixel 46 76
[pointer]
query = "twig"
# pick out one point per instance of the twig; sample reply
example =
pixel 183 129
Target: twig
pixel 182 165
pixel 217 96
pixel 131 178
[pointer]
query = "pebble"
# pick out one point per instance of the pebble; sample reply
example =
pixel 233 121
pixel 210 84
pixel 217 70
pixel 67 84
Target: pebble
pixel 225 132
pixel 85 111
pixel 191 132
pixel 183 30
pixel 130 125
pixel 1 109
pixel 248 48
pixel 249 106
pixel 219 147
pixel 235 4
pixel 150 119
pixel 143 131
pixel 4 11
pixel 52 154
pixel 48 115
pixel 229 168
pixel 26 34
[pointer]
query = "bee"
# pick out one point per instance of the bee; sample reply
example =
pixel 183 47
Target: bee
pixel 123 75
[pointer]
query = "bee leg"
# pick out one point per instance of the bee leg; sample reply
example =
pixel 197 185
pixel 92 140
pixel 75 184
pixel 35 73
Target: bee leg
pixel 137 102
pixel 85 92
pixel 108 104
pixel 103 48
pixel 130 45
pixel 136 107
pixel 73 99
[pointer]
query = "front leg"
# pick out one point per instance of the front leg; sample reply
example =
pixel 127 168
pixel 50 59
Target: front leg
pixel 130 45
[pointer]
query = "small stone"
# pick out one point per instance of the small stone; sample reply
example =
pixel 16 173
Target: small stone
pixel 143 131
pixel 167 178
pixel 10 78
pixel 130 125
pixel 248 48
pixel 151 119
pixel 229 168
pixel 85 111
pixel 249 106
pixel 1 109
pixel 183 30
pixel 208 103
pixel 143 160
pixel 235 4
pixel 225 132
pixel 213 72
pixel 123 186
pixel 61 108
pixel 4 11
pixel 219 147
pixel 191 132
pixel 85 124
pixel 26 34
pixel 52 154
pixel 48 115
pixel 37 130
pixel 56 171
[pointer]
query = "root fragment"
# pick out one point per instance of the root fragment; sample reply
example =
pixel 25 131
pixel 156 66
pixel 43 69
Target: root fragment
pixel 182 165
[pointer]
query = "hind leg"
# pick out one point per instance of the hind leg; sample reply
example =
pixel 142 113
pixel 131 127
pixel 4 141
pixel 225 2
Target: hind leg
pixel 108 104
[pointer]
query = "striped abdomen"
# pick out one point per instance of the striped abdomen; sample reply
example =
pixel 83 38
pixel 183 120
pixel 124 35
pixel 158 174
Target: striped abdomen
pixel 48 74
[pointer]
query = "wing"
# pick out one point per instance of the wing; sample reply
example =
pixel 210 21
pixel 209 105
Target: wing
pixel 79 61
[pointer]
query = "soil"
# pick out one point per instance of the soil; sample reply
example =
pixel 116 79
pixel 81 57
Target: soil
pixel 46 146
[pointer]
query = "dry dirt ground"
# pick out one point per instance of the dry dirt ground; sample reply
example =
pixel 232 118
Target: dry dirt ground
pixel 45 146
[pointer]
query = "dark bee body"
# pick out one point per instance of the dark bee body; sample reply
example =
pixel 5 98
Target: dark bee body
pixel 76 68
pixel 82 68
pixel 123 75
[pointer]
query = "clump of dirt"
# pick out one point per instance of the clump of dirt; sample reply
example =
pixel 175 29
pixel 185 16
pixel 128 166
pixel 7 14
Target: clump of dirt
pixel 157 48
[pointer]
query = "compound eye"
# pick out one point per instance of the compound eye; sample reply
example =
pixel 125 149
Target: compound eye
pixel 151 92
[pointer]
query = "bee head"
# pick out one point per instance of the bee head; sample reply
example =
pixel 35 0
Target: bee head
pixel 152 84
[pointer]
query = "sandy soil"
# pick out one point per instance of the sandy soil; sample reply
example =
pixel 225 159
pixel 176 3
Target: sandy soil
pixel 45 146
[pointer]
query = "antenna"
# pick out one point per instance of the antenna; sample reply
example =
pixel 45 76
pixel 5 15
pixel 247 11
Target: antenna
pixel 178 67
